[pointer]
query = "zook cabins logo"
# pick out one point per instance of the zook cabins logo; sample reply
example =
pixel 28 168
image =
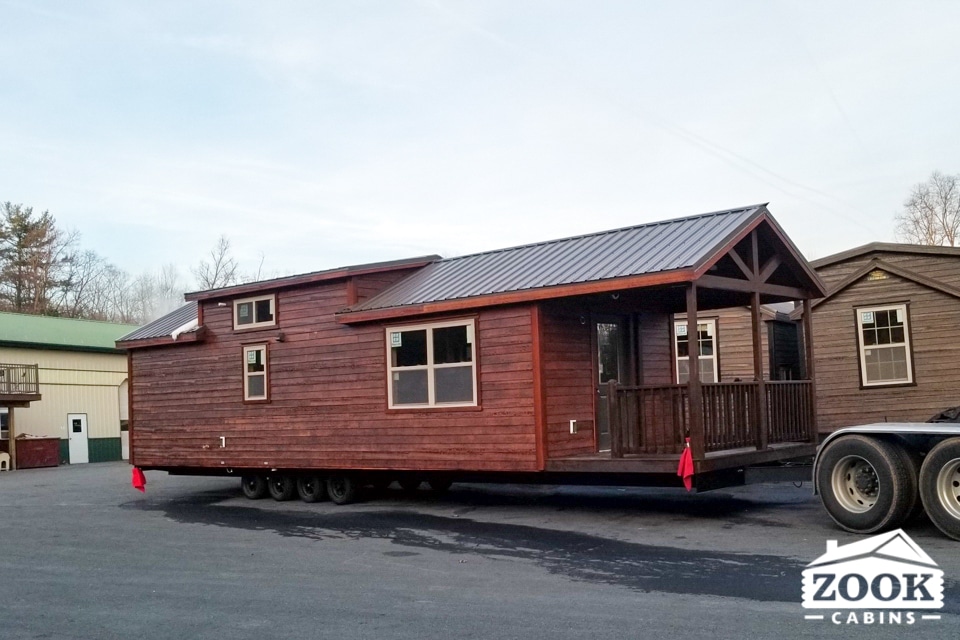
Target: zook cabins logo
pixel 884 580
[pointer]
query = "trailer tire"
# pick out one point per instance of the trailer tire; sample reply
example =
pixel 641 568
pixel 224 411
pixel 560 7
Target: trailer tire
pixel 439 484
pixel 311 488
pixel 254 487
pixel 281 488
pixel 865 484
pixel 342 489
pixel 410 483
pixel 940 486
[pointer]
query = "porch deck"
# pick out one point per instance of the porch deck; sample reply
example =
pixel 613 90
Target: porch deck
pixel 666 463
pixel 19 385
pixel 731 425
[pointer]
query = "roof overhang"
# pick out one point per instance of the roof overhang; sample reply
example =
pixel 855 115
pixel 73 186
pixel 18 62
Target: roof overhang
pixel 196 335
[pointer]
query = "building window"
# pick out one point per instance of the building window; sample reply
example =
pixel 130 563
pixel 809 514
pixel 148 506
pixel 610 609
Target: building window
pixel 707 345
pixel 432 365
pixel 884 338
pixel 252 313
pixel 255 379
pixel 4 424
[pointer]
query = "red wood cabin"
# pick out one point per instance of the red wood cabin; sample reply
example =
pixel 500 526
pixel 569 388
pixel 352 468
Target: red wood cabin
pixel 546 362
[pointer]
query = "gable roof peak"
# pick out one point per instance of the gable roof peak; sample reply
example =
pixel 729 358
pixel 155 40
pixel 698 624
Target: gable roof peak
pixel 884 247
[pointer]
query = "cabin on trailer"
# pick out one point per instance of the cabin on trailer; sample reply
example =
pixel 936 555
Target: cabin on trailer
pixel 884 334
pixel 554 360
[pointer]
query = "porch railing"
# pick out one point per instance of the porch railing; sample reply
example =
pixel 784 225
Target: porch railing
pixel 19 380
pixel 656 419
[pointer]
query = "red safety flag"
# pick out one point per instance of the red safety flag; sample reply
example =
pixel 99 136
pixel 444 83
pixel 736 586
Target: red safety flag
pixel 685 468
pixel 139 480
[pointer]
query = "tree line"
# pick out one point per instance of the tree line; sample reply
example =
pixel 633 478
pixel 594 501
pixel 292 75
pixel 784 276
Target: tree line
pixel 44 270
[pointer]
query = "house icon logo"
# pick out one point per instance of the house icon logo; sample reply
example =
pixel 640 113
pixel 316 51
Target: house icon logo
pixel 886 579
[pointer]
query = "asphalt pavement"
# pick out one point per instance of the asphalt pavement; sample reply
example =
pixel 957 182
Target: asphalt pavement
pixel 86 556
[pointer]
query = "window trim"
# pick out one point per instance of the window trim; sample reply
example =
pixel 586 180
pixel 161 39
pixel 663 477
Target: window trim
pixel 431 404
pixel 907 344
pixel 716 348
pixel 255 325
pixel 266 373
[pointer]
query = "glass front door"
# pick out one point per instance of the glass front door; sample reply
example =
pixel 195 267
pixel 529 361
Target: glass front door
pixel 610 365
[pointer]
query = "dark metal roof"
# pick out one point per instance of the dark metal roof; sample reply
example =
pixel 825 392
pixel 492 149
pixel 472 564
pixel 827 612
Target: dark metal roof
pixel 631 251
pixel 164 326
pixel 311 278
pixel 884 247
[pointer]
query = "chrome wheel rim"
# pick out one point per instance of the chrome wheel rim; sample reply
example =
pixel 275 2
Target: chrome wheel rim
pixel 948 487
pixel 855 484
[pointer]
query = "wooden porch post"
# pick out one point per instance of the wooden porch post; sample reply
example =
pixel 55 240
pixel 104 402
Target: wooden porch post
pixel 12 434
pixel 614 420
pixel 763 426
pixel 697 440
pixel 811 367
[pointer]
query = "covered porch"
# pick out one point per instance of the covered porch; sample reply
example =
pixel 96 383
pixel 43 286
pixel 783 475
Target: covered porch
pixel 656 382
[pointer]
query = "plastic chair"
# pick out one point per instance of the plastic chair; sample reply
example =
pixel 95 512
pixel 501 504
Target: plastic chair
pixel 4 461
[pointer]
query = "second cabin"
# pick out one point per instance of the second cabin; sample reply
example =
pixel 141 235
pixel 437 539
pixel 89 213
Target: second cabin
pixel 552 358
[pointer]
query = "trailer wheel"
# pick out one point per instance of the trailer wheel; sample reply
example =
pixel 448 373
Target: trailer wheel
pixel 410 483
pixel 311 488
pixel 342 489
pixel 439 484
pixel 940 486
pixel 281 488
pixel 865 484
pixel 254 487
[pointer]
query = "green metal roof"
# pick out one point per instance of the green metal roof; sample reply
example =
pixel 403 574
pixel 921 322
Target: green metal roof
pixel 46 332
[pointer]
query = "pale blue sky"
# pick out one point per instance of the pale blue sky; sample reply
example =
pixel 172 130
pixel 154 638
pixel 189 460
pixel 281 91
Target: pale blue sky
pixel 331 133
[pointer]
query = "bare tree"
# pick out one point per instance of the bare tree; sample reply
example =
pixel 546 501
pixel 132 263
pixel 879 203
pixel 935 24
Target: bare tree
pixel 221 270
pixel 931 215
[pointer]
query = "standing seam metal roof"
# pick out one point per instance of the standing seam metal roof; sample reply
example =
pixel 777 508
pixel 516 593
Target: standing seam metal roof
pixel 631 251
pixel 162 327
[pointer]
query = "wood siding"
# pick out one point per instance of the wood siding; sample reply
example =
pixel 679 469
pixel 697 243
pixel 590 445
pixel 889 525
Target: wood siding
pixel 735 344
pixel 656 350
pixel 932 320
pixel 567 359
pixel 328 406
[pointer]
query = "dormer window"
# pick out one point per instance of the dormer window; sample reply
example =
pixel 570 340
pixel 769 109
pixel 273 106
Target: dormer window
pixel 254 313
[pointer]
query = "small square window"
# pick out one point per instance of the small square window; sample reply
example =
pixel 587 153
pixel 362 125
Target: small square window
pixel 253 313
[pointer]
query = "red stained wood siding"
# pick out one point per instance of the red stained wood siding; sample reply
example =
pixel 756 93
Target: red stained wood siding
pixel 568 382
pixel 328 406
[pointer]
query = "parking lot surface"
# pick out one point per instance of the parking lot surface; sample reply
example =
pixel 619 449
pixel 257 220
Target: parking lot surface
pixel 86 556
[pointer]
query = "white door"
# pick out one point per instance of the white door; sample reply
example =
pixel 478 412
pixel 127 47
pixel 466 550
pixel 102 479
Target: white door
pixel 77 432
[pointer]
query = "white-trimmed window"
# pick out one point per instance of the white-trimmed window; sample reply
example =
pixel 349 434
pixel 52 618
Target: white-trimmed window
pixel 4 423
pixel 255 377
pixel 432 365
pixel 707 347
pixel 884 341
pixel 252 313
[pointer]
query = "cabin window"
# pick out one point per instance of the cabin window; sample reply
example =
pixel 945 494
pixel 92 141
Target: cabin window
pixel 884 337
pixel 252 313
pixel 432 365
pixel 255 372
pixel 707 347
